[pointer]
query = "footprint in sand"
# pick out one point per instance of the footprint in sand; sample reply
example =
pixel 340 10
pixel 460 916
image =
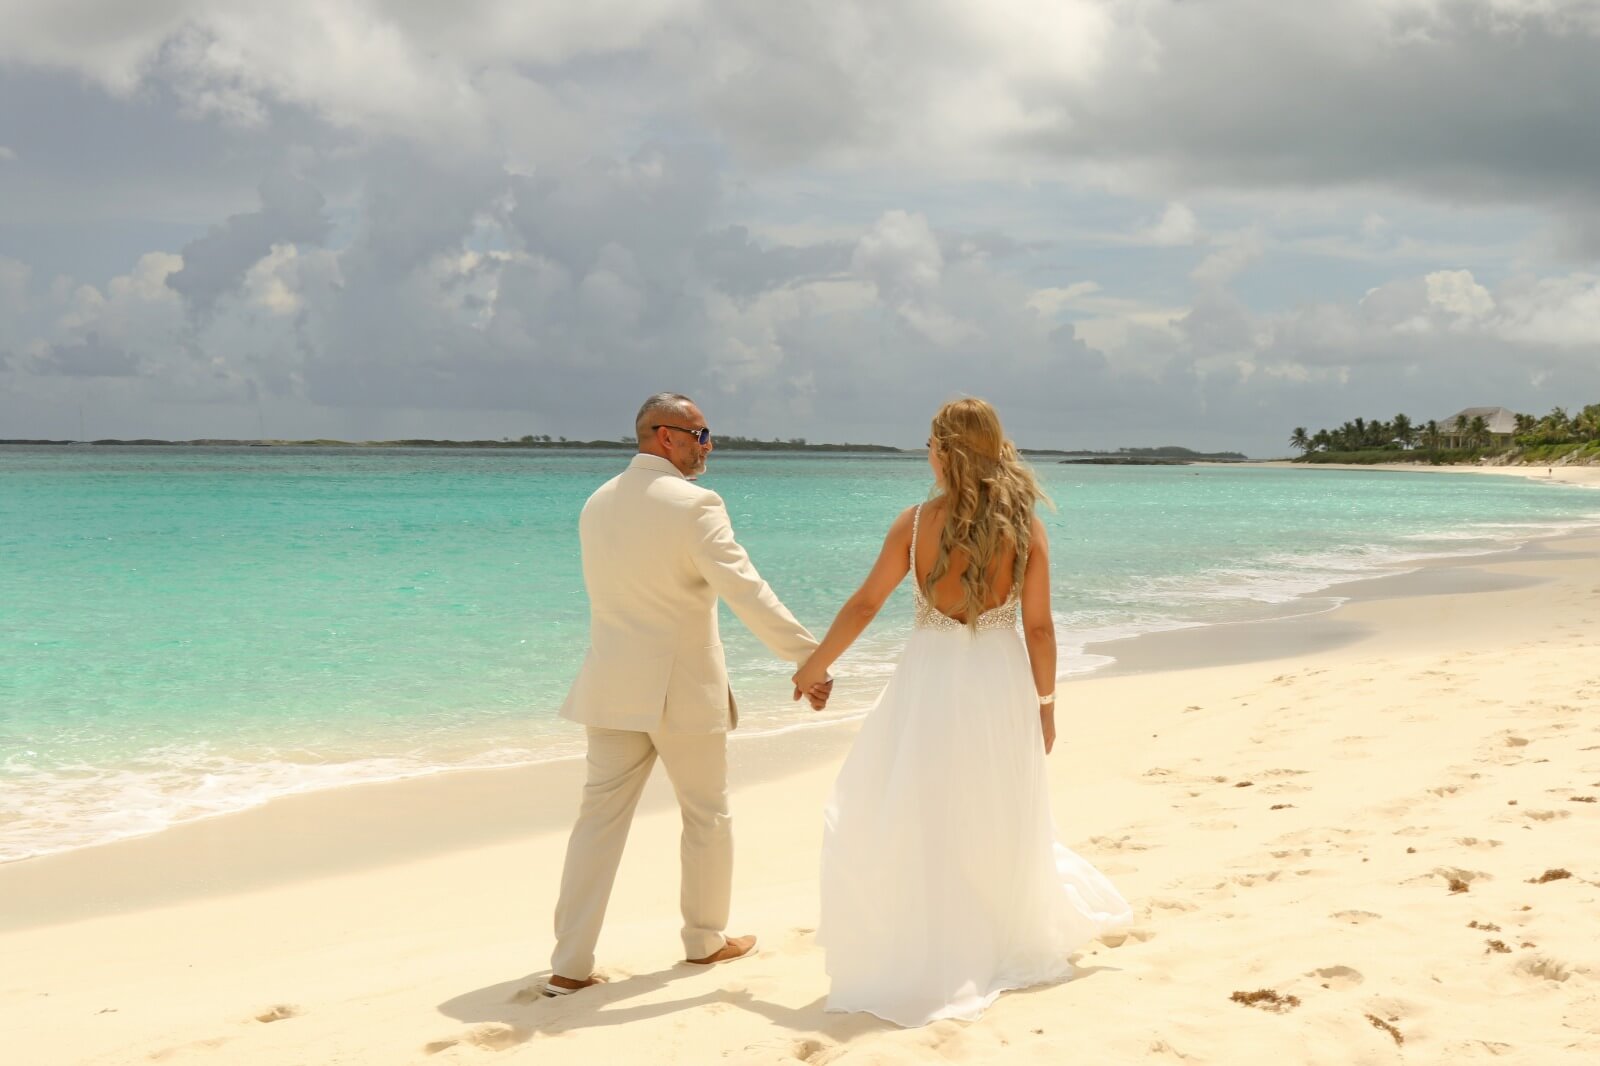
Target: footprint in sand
pixel 1356 917
pixel 279 1013
pixel 1170 903
pixel 808 1050
pixel 491 1036
pixel 1138 934
pixel 1474 842
pixel 1544 968
pixel 772 1052
pixel 1454 875
pixel 1122 843
pixel 198 1045
pixel 1546 816
pixel 1338 977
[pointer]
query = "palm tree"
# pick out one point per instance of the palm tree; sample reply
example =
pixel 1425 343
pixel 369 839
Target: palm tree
pixel 1478 432
pixel 1431 436
pixel 1402 432
pixel 1556 427
pixel 1587 424
pixel 1298 439
pixel 1322 440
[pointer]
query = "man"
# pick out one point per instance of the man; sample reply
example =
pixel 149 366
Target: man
pixel 658 552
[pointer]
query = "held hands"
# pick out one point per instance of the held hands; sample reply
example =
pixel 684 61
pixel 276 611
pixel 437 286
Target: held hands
pixel 814 684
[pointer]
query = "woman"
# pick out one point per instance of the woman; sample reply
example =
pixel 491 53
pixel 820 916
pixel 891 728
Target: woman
pixel 942 882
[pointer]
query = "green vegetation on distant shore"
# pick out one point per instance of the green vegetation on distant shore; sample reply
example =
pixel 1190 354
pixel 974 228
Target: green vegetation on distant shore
pixel 1556 438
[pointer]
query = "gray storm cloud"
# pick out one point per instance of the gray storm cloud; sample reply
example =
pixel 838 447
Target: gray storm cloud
pixel 291 213
pixel 1125 222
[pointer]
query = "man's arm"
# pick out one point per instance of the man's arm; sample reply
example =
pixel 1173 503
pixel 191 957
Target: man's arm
pixel 727 568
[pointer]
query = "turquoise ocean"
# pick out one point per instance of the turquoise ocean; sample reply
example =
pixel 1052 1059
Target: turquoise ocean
pixel 188 632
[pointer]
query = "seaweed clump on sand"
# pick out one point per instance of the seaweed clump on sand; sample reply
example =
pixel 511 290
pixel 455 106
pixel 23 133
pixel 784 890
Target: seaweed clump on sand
pixel 1379 1023
pixel 1550 875
pixel 1267 999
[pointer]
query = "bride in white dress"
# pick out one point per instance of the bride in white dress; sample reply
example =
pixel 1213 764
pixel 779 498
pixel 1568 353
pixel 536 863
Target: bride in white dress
pixel 943 884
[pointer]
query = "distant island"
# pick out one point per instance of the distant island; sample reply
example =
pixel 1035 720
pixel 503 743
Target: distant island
pixel 1165 456
pixel 746 444
pixel 1168 455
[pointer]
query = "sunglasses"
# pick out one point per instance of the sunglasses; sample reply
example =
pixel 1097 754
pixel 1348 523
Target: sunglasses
pixel 703 436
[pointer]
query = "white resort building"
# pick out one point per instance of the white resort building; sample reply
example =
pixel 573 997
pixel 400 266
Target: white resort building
pixel 1502 424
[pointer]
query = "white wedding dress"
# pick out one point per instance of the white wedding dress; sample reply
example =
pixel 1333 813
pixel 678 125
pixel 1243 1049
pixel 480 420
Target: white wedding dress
pixel 943 884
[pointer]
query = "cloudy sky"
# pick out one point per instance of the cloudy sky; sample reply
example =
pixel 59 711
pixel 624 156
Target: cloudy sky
pixel 1127 222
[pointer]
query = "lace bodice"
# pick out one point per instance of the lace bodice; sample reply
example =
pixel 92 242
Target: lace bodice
pixel 930 617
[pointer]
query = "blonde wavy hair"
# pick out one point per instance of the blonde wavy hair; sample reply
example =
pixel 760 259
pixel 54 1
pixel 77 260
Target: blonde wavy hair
pixel 991 493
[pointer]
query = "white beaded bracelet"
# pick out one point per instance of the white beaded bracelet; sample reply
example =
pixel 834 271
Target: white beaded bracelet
pixel 1045 701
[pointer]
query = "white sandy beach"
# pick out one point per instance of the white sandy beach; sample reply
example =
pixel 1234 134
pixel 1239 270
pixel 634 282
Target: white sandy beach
pixel 1360 823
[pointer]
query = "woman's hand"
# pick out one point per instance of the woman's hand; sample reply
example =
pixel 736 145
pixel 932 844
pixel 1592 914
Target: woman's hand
pixel 813 683
pixel 1047 723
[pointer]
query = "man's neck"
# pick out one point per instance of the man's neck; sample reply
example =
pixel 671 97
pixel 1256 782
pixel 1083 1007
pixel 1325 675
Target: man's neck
pixel 664 459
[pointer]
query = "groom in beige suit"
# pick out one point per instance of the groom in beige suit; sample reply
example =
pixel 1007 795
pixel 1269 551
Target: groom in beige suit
pixel 658 552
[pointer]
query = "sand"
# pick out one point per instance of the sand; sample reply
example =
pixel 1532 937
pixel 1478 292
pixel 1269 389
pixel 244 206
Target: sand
pixel 1360 821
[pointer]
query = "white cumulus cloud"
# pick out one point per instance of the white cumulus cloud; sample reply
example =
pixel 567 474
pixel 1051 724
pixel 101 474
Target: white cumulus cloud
pixel 1177 226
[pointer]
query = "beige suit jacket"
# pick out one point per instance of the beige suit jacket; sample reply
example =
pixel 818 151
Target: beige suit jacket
pixel 658 551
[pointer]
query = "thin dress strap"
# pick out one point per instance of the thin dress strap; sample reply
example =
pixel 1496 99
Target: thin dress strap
pixel 916 520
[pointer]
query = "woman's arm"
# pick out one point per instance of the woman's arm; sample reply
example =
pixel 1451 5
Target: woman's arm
pixel 1039 628
pixel 862 607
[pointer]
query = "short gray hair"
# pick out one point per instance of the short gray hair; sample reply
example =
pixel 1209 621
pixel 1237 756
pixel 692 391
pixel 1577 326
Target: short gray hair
pixel 673 405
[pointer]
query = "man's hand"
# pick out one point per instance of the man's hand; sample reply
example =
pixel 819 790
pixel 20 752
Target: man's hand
pixel 814 684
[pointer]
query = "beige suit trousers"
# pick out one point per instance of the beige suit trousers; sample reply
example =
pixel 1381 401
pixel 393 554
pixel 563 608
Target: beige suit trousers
pixel 619 762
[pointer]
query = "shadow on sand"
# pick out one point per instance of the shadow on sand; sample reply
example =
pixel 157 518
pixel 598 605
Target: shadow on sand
pixel 514 1012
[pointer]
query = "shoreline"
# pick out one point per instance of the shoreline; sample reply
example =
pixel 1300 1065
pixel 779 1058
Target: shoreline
pixel 1557 474
pixel 1310 622
pixel 357 822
